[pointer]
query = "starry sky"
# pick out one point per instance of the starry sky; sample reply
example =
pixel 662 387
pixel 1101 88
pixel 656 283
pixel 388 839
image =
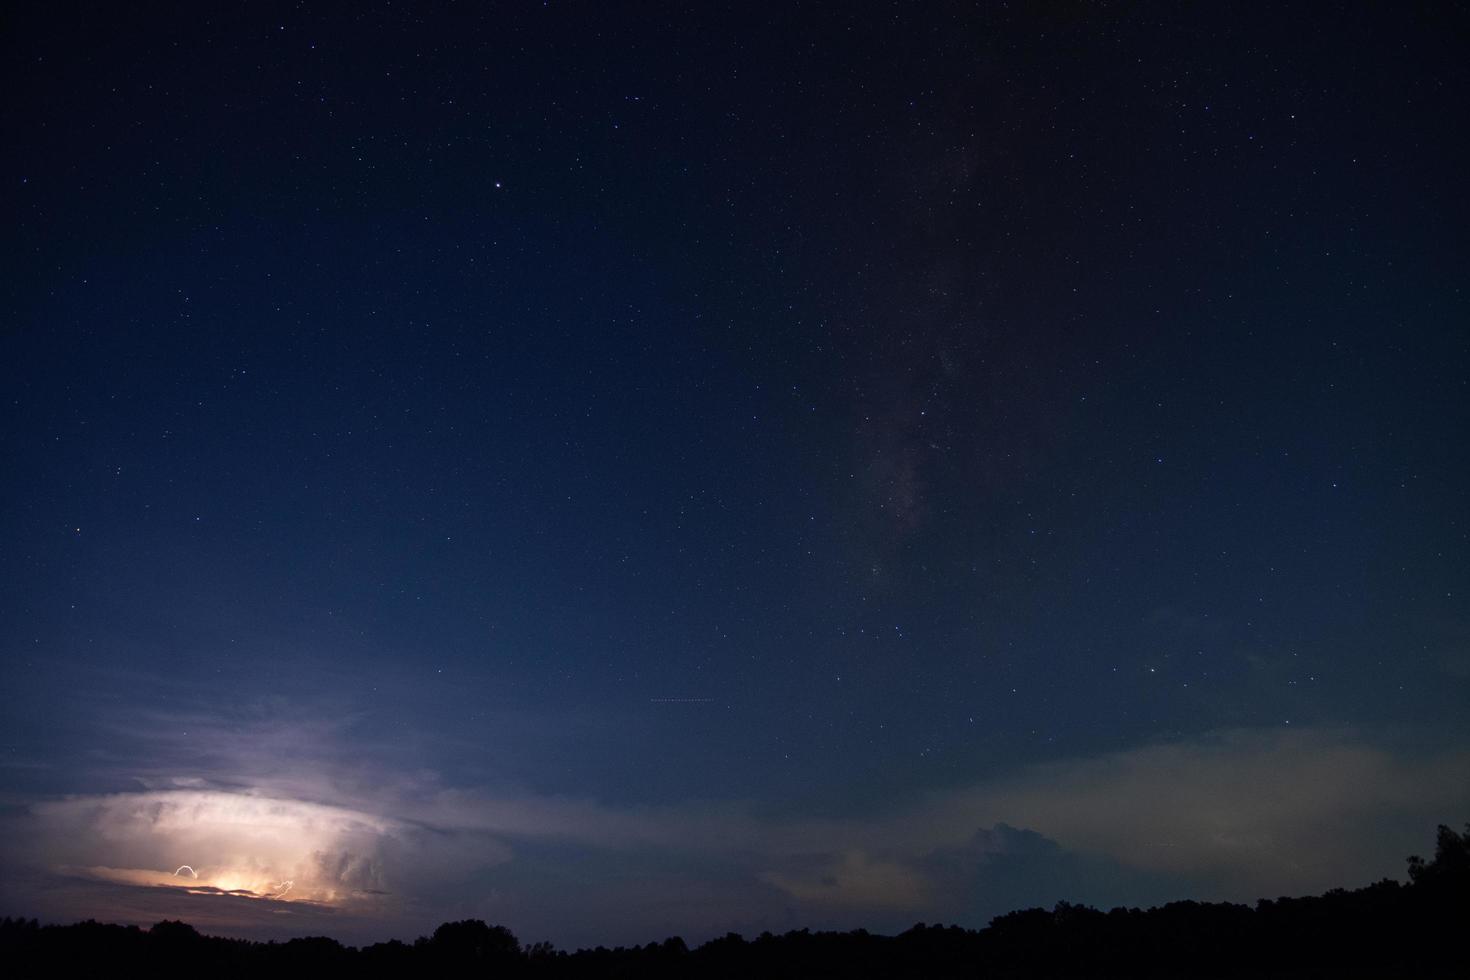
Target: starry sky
pixel 620 471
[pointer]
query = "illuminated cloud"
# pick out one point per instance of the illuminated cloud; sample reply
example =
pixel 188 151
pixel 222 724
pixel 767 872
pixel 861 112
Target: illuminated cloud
pixel 230 843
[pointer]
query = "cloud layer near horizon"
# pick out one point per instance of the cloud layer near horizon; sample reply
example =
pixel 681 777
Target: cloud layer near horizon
pixel 367 850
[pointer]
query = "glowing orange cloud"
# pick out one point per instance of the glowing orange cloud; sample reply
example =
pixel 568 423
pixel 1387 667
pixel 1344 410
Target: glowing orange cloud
pixel 235 843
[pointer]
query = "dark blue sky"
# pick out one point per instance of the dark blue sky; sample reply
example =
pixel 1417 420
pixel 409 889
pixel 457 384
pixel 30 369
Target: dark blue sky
pixel 619 471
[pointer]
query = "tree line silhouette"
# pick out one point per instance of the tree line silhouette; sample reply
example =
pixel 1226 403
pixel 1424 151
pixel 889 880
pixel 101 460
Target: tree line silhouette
pixel 1384 930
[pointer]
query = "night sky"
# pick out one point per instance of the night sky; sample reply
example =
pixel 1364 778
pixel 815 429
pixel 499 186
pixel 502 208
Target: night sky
pixel 619 471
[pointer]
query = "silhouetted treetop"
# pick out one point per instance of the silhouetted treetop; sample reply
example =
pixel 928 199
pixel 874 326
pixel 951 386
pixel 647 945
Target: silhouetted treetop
pixel 1451 864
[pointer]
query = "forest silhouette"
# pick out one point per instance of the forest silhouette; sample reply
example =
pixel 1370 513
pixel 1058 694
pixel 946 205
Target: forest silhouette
pixel 1387 929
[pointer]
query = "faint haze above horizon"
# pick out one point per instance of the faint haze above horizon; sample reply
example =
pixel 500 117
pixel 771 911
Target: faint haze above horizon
pixel 624 472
